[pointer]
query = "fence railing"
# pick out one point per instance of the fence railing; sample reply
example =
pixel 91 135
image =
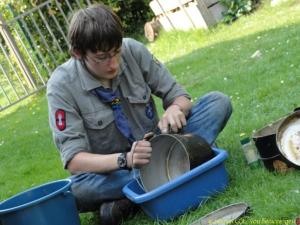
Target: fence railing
pixel 32 44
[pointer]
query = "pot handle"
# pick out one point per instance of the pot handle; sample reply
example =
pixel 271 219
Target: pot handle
pixel 152 133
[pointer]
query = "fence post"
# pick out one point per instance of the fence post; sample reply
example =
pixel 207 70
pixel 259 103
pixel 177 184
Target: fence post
pixel 11 43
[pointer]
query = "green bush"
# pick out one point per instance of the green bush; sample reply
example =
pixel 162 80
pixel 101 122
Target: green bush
pixel 133 13
pixel 237 8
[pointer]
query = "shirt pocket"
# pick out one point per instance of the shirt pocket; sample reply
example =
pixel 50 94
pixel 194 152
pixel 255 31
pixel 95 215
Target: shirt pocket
pixel 133 86
pixel 99 119
pixel 103 136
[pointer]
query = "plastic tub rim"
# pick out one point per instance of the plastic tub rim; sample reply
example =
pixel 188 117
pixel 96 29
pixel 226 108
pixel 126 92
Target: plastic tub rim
pixel 218 159
pixel 37 201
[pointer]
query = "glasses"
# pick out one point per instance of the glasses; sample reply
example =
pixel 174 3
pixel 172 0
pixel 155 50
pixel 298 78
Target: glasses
pixel 105 57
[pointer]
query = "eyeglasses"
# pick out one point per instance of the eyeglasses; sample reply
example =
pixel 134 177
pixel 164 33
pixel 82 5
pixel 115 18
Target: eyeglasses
pixel 105 56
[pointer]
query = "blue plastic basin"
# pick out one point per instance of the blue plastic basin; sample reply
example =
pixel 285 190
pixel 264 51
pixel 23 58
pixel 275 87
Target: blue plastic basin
pixel 48 204
pixel 183 193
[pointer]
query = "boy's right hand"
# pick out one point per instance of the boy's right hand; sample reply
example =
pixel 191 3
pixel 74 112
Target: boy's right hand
pixel 139 154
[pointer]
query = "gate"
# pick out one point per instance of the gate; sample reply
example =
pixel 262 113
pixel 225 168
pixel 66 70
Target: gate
pixel 32 44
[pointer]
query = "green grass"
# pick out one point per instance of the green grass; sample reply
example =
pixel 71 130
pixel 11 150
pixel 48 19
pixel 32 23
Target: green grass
pixel 261 89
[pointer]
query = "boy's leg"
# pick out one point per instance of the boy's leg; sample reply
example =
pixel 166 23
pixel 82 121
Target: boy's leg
pixel 209 116
pixel 92 189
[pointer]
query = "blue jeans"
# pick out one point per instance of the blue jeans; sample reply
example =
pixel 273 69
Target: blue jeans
pixel 207 119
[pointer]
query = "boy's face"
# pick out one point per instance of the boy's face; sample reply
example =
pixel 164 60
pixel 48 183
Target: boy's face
pixel 103 65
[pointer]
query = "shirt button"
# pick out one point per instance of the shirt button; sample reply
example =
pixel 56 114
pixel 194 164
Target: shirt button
pixel 100 122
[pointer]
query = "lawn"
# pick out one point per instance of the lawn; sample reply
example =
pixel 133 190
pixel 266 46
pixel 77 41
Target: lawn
pixel 262 89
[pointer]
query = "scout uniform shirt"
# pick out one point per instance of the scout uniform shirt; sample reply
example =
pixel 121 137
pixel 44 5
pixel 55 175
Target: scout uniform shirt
pixel 81 122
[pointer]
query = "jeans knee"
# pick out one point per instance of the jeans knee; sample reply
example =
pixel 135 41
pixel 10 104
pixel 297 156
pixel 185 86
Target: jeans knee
pixel 222 100
pixel 209 115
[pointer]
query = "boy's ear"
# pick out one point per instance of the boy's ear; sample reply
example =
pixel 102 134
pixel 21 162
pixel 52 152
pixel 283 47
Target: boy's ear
pixel 76 53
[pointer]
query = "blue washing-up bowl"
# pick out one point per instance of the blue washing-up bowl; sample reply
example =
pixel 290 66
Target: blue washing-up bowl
pixel 49 204
pixel 183 193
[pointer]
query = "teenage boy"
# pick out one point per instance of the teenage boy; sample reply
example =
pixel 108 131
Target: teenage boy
pixel 101 108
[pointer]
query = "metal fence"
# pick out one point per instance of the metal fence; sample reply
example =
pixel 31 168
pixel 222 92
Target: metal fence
pixel 32 44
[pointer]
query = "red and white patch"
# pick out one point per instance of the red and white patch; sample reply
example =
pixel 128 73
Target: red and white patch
pixel 60 119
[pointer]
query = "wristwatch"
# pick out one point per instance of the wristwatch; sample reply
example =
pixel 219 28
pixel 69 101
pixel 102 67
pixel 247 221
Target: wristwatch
pixel 122 161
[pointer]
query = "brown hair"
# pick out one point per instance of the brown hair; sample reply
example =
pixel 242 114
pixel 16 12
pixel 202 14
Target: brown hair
pixel 95 28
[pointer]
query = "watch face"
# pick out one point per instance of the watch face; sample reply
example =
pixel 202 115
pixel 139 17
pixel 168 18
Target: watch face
pixel 122 163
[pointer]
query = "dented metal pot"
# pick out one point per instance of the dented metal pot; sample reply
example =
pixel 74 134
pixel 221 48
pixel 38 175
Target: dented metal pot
pixel 278 143
pixel 172 156
pixel 288 138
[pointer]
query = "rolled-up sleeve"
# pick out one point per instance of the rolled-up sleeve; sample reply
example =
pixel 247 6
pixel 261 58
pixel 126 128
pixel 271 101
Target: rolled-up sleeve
pixel 157 76
pixel 69 136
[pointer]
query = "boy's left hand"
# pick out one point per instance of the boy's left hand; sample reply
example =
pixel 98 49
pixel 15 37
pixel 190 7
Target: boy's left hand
pixel 173 118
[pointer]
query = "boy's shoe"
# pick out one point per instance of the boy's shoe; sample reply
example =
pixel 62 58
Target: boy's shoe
pixel 114 212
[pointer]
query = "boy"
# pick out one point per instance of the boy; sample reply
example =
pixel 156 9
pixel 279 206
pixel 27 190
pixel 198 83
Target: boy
pixel 101 110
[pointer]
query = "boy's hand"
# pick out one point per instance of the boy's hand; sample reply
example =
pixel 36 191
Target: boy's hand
pixel 139 154
pixel 173 118
pixel 148 136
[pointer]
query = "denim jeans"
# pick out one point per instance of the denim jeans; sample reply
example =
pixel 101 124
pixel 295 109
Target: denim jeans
pixel 207 119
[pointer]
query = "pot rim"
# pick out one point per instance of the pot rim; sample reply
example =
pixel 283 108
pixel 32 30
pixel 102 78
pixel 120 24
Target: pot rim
pixel 284 125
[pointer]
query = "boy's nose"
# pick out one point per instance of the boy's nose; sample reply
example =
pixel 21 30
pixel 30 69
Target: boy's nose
pixel 113 62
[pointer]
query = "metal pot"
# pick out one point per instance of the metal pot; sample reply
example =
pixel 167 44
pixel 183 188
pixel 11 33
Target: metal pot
pixel 265 141
pixel 274 142
pixel 288 138
pixel 172 156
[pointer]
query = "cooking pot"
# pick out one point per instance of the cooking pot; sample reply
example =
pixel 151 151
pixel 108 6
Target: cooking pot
pixel 278 143
pixel 173 155
pixel 288 138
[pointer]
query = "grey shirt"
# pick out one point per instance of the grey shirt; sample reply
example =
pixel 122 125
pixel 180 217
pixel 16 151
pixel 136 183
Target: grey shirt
pixel 81 122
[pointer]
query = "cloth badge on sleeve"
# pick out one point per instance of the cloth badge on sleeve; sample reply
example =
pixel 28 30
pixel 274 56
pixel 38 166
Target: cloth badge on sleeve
pixel 60 119
pixel 149 110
